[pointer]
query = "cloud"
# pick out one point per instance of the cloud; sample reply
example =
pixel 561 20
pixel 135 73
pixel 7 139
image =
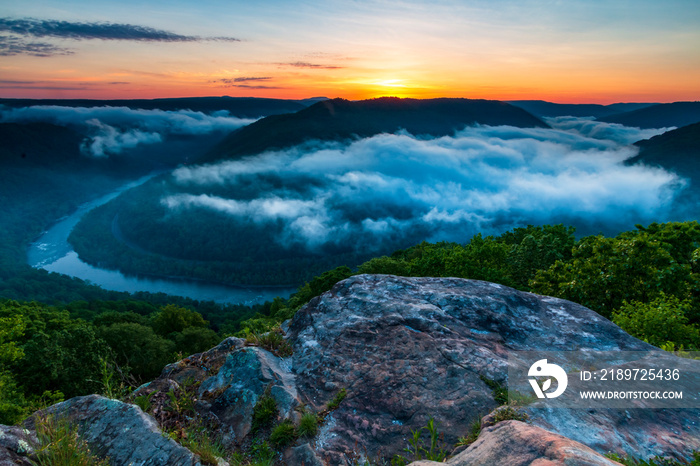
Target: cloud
pixel 111 130
pixel 10 45
pixel 604 131
pixel 303 64
pixel 15 41
pixel 246 86
pixel 245 79
pixel 391 190
pixel 102 31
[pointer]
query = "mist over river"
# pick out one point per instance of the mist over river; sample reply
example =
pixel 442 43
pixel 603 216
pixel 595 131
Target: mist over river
pixel 52 252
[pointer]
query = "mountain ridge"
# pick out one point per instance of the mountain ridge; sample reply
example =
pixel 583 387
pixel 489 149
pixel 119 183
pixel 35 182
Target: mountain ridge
pixel 659 116
pixel 340 119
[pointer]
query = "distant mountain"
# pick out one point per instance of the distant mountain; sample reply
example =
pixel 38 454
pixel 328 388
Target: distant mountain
pixel 542 108
pixel 659 115
pixel 677 150
pixel 243 107
pixel 340 119
pixel 38 144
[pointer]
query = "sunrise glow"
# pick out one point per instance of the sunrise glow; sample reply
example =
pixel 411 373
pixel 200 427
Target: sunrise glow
pixel 559 51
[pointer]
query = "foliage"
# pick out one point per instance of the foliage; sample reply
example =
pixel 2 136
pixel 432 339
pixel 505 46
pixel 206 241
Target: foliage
pixel 500 392
pixel 308 425
pixel 506 413
pixel 434 450
pixel 283 433
pixel 604 273
pixel 58 353
pixel 665 319
pixel 13 404
pixel 194 340
pixel 264 411
pixel 261 452
pixel 655 461
pixel 272 341
pixel 139 348
pixel 60 444
pixel 144 401
pixel 171 319
pixel 339 397
pixel 199 441
pixel 474 432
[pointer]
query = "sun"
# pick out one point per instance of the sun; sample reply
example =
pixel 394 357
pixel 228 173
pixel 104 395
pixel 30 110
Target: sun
pixel 393 83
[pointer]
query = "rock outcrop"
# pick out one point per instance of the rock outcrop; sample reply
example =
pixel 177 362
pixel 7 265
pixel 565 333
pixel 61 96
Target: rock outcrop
pixel 518 444
pixel 119 431
pixel 405 350
pixel 16 446
pixel 409 349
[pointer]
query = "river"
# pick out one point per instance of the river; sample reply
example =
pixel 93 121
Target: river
pixel 52 252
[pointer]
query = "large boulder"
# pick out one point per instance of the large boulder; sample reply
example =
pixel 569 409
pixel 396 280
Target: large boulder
pixel 515 443
pixel 230 379
pixel 411 349
pixel 17 445
pixel 405 350
pixel 118 431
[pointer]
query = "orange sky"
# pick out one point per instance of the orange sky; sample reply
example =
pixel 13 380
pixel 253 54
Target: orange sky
pixel 562 51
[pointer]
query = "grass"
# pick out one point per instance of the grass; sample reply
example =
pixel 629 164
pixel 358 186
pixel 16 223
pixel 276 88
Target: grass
pixel 655 461
pixel 283 433
pixel 500 392
pixel 308 425
pixel 335 402
pixel 264 411
pixel 198 441
pixel 60 445
pixel 273 341
pixel 434 450
pixel 507 413
pixel 474 431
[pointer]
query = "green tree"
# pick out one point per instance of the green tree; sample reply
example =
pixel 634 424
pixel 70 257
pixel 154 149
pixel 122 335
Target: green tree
pixel 139 348
pixel 660 321
pixel 12 402
pixel 171 319
pixel 195 340
pixel 634 266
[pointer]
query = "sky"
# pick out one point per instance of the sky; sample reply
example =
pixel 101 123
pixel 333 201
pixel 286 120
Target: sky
pixel 568 51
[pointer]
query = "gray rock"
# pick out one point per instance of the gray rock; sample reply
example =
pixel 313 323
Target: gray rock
pixel 241 381
pixel 120 432
pixel 515 443
pixel 16 445
pixel 231 378
pixel 408 349
pixel 302 455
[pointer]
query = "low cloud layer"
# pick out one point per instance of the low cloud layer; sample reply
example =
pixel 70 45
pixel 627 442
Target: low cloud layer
pixel 613 132
pixel 111 130
pixel 381 191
